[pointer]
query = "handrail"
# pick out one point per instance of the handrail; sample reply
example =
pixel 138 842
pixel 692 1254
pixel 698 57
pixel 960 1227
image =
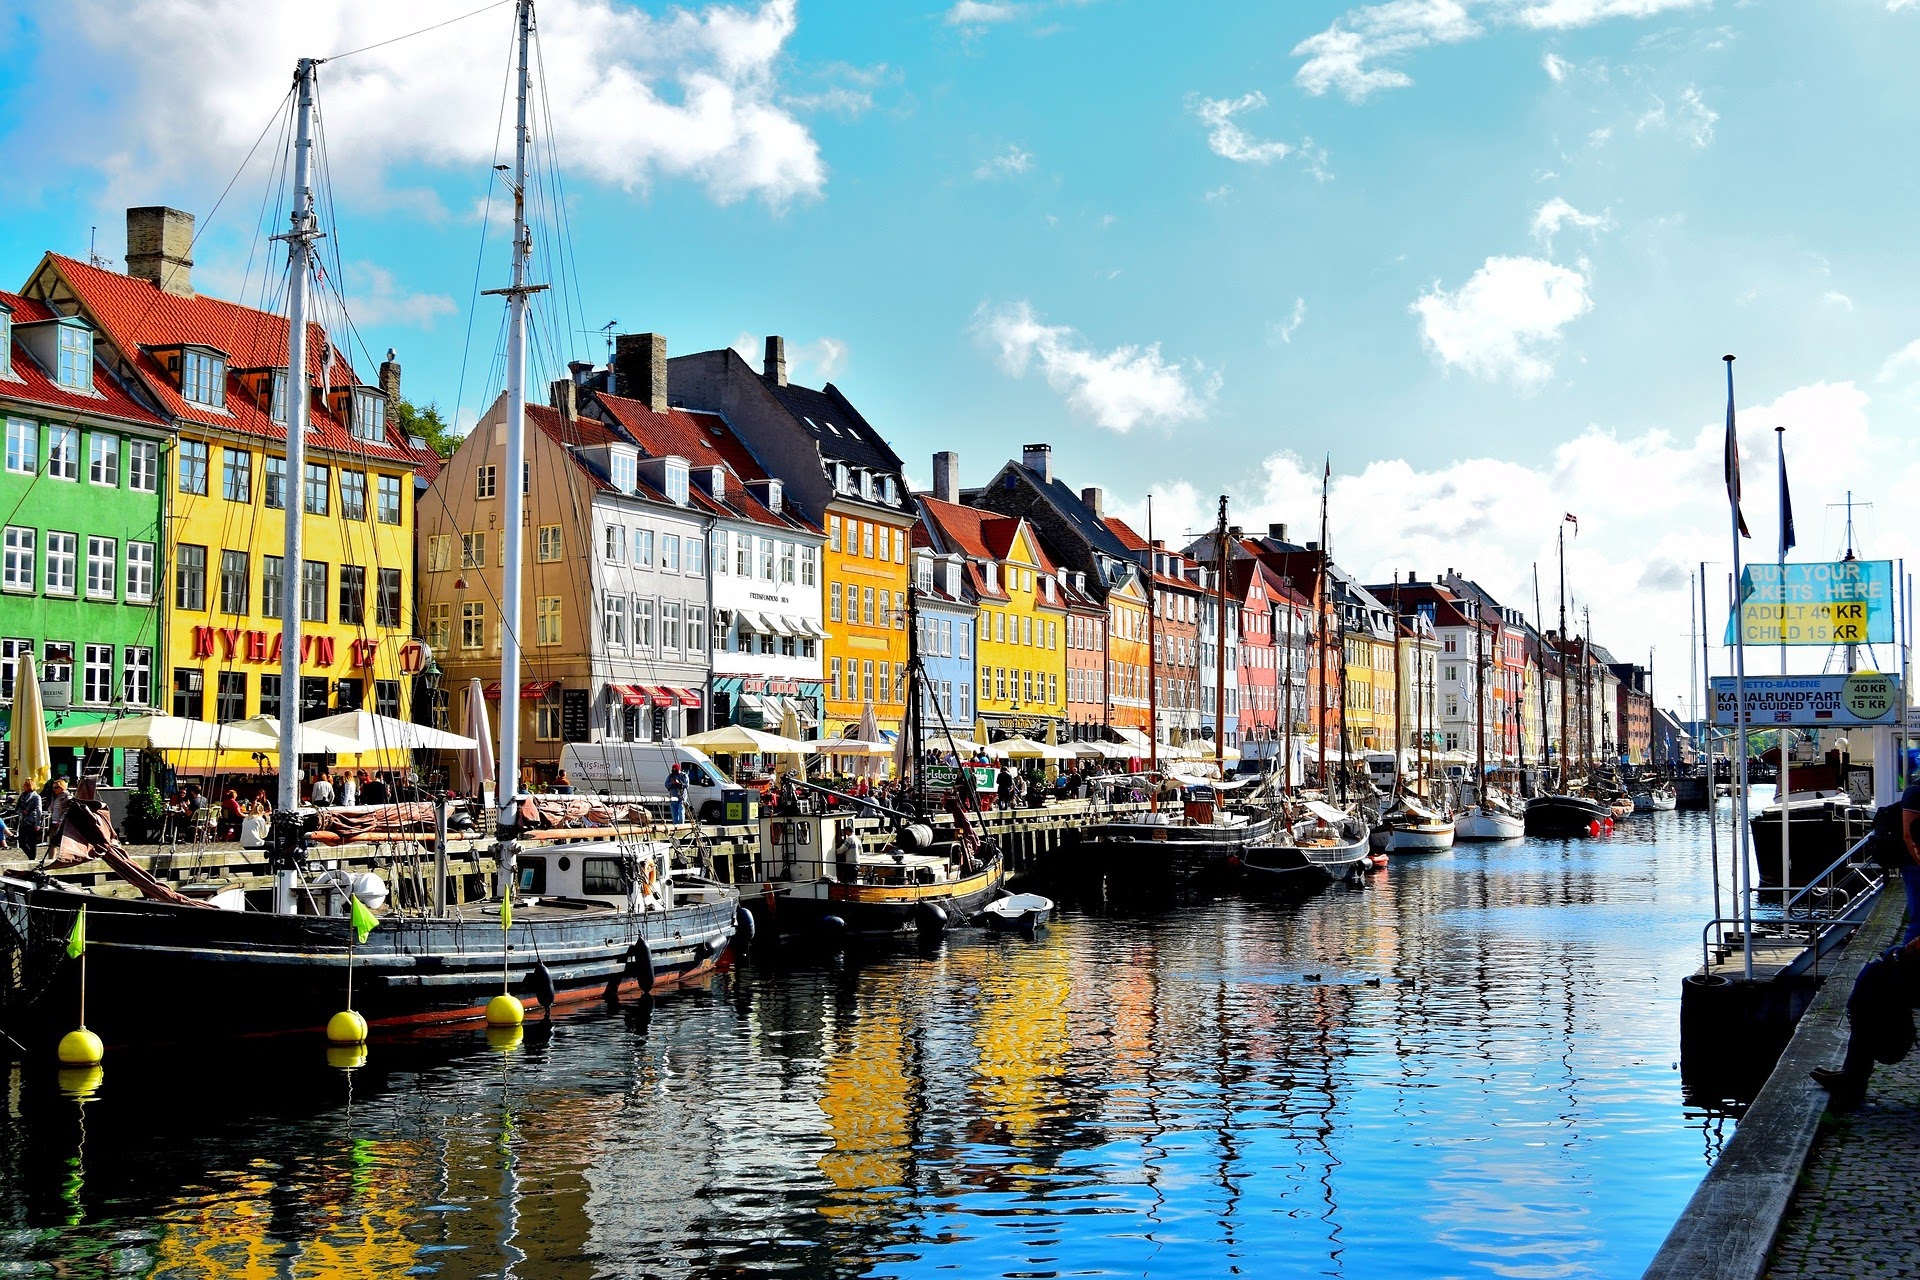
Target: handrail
pixel 1831 880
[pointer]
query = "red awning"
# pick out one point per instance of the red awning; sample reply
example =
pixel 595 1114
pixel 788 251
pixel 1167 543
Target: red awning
pixel 654 694
pixel 686 697
pixel 630 695
pixel 531 689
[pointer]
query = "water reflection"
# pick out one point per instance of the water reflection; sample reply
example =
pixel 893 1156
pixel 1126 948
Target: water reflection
pixel 1469 1065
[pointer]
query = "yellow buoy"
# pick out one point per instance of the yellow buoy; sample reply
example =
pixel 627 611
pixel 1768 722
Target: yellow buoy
pixel 505 1011
pixel 81 1082
pixel 81 1048
pixel 346 1027
pixel 347 1057
pixel 505 1039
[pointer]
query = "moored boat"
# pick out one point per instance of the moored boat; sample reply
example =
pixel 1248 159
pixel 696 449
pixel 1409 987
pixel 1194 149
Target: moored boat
pixel 1488 822
pixel 1018 913
pixel 1563 814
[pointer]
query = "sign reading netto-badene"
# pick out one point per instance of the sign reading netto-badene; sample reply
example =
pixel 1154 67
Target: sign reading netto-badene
pixel 1864 698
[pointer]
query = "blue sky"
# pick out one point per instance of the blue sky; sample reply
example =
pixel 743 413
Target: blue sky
pixel 1487 253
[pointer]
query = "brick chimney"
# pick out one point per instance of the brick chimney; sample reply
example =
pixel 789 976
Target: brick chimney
pixel 1095 501
pixel 159 245
pixel 390 387
pixel 640 368
pixel 1278 532
pixel 563 394
pixel 946 476
pixel 1038 458
pixel 775 368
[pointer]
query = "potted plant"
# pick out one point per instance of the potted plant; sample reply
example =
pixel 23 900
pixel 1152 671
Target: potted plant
pixel 146 816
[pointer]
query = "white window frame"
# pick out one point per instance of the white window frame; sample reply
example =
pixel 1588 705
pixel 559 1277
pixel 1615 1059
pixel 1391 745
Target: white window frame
pixel 19 561
pixel 136 676
pixel 63 551
pixel 103 459
pixel 486 482
pixel 96 675
pixel 23 446
pixel 142 559
pixel 203 379
pixel 103 563
pixel 63 463
pixel 74 366
pixel 613 620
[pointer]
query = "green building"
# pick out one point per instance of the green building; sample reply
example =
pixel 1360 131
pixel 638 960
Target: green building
pixel 82 547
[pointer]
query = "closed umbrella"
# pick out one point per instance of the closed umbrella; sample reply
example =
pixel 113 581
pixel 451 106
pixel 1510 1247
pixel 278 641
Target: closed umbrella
pixel 871 766
pixel 790 728
pixel 476 762
pixel 28 758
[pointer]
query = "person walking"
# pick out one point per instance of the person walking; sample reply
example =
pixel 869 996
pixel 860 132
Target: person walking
pixel 1004 786
pixel 677 795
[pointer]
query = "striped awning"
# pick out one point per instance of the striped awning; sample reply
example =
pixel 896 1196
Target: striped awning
pixel 629 695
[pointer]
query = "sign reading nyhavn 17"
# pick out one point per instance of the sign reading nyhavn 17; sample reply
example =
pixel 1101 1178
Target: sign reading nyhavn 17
pixel 233 644
pixel 1826 603
pixel 1866 697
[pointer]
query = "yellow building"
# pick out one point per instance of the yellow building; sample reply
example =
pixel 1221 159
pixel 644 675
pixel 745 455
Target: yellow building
pixel 1019 652
pixel 865 575
pixel 219 371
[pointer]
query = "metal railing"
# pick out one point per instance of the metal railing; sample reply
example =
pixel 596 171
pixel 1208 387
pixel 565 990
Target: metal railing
pixel 1836 899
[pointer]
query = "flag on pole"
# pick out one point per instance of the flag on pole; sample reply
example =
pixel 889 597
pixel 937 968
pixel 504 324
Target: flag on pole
pixel 506 911
pixel 77 940
pixel 362 919
pixel 1787 540
pixel 1574 520
pixel 1733 457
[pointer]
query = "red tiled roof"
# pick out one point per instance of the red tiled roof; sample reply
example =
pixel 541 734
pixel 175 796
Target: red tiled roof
pixel 30 383
pixel 1121 530
pixel 136 315
pixel 704 440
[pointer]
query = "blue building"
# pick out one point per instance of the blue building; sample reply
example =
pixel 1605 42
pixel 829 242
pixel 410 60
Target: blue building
pixel 949 608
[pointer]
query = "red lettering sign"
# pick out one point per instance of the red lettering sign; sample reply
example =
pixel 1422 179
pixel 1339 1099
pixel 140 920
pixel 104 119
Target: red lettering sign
pixel 203 642
pixel 229 636
pixel 257 646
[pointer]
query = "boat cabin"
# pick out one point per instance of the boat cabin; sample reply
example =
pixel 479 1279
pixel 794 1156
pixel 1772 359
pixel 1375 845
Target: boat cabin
pixel 607 871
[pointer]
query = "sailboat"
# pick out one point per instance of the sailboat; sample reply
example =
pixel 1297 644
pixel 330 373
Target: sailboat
pixel 1486 818
pixel 817 876
pixel 585 914
pixel 1563 811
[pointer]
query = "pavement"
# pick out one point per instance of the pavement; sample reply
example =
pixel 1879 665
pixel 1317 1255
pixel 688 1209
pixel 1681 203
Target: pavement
pixel 1856 1209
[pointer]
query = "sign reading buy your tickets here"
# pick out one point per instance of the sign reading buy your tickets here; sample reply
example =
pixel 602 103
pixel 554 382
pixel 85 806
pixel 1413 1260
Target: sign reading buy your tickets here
pixel 1826 603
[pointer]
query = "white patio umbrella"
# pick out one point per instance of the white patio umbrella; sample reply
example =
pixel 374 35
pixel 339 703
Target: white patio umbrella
pixel 476 762
pixel 738 740
pixel 29 761
pixel 162 733
pixel 384 733
pixel 872 766
pixel 307 740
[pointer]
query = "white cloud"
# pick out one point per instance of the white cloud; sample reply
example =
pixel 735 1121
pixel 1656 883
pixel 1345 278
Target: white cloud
pixel 1895 6
pixel 1555 66
pixel 1838 299
pixel 1219 193
pixel 1127 387
pixel 1225 137
pixel 1282 331
pixel 1557 213
pixel 1008 164
pixel 1505 322
pixel 1903 363
pixel 692 95
pixel 981 13
pixel 1691 118
pixel 1599 137
pixel 374 297
pixel 1651 508
pixel 1351 56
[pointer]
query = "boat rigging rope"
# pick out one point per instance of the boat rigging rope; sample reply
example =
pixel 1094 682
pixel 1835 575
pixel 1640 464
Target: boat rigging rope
pixel 367 48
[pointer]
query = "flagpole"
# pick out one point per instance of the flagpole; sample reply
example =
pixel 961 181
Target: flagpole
pixel 1740 809
pixel 1785 788
pixel 1706 749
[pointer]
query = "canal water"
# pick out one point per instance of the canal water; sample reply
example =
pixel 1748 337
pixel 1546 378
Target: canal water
pixel 1470 1067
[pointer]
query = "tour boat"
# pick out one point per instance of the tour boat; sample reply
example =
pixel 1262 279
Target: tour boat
pixel 1825 824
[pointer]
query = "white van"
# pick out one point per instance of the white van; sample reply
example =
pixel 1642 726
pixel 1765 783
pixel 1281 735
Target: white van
pixel 640 769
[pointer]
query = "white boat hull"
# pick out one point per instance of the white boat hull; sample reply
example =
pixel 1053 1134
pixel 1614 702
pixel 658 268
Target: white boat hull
pixel 1427 838
pixel 1482 824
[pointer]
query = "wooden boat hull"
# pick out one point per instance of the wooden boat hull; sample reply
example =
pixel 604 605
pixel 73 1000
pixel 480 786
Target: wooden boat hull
pixel 1478 824
pixel 1274 865
pixel 1176 849
pixel 1558 814
pixel 158 972
pixel 871 909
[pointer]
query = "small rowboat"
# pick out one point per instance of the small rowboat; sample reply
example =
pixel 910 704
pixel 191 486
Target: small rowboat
pixel 1019 912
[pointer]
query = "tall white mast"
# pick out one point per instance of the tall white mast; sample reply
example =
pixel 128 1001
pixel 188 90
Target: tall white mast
pixel 508 785
pixel 300 236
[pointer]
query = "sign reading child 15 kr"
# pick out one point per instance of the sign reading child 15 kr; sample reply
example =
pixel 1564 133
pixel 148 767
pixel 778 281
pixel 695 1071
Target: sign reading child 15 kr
pixel 1826 603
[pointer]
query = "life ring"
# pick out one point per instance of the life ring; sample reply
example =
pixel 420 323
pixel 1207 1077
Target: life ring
pixel 649 877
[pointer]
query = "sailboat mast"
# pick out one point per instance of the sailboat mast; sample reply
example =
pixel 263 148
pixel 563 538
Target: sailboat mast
pixel 1220 646
pixel 1286 724
pixel 1320 618
pixel 1539 616
pixel 516 427
pixel 1566 690
pixel 300 237
pixel 1399 730
pixel 1153 658
pixel 1479 707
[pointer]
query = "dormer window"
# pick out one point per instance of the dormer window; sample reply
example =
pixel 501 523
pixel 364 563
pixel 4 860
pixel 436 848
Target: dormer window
pixel 203 376
pixel 953 579
pixel 6 341
pixel 623 470
pixel 993 575
pixel 866 485
pixel 842 483
pixel 277 397
pixel 676 485
pixel 369 414
pixel 923 572
pixel 75 365
pixel 890 490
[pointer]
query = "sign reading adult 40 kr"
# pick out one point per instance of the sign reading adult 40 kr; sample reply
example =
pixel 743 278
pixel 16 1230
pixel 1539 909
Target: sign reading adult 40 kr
pixel 1866 697
pixel 1827 603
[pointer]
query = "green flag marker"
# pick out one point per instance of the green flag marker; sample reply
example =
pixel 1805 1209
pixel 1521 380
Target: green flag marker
pixel 506 912
pixel 77 940
pixel 363 919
